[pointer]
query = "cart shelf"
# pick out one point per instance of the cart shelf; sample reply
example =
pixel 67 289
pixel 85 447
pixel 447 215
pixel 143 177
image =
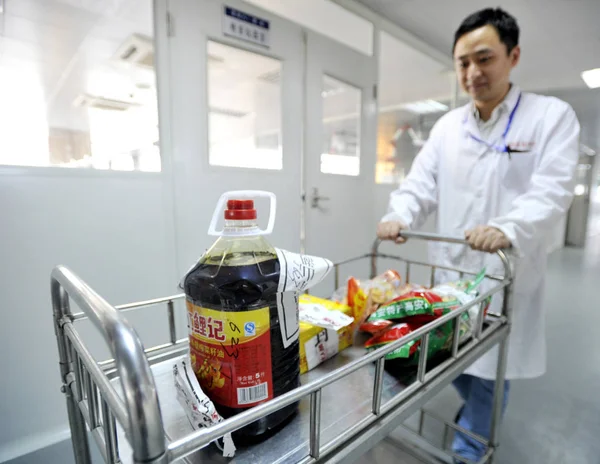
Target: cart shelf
pixel 346 405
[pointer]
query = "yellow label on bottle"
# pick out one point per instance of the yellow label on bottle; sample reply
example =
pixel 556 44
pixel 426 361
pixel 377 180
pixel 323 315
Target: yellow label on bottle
pixel 217 327
pixel 231 354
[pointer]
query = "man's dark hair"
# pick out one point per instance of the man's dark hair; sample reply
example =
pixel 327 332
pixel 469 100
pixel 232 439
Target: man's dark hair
pixel 505 24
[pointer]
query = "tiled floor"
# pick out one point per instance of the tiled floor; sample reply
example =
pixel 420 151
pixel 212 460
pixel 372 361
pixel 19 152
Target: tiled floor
pixel 551 420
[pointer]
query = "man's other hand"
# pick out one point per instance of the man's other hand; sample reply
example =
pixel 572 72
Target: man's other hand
pixel 391 231
pixel 487 238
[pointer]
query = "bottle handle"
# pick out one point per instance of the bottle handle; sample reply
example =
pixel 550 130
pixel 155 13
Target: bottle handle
pixel 244 194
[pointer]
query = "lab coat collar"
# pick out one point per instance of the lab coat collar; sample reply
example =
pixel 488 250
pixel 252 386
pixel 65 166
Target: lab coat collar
pixel 470 123
pixel 505 105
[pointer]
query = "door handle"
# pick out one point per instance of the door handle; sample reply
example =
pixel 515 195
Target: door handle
pixel 316 198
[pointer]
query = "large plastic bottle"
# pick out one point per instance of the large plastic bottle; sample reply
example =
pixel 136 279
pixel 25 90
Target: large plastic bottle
pixel 236 343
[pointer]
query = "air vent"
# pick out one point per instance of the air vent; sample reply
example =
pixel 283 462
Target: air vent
pixel 92 101
pixel 137 50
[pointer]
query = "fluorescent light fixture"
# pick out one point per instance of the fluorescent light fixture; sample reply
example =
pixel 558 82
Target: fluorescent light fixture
pixel 332 92
pixel 592 78
pixel 587 150
pixel 340 164
pixel 425 107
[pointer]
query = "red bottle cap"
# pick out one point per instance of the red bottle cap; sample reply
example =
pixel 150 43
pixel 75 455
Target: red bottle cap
pixel 240 210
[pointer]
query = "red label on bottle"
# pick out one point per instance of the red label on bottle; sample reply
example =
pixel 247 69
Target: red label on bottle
pixel 231 354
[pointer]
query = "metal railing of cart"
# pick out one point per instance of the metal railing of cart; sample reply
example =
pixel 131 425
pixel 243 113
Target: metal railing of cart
pixel 93 402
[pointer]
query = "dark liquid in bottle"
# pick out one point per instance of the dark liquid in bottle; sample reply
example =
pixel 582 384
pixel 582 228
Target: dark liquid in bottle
pixel 246 288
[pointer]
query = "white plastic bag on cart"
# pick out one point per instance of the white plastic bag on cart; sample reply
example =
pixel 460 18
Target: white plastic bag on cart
pixel 198 407
pixel 297 273
pixel 320 316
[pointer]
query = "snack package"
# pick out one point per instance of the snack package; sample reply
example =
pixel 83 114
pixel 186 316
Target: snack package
pixel 424 305
pixel 375 327
pixel 394 333
pixel 365 297
pixel 418 307
pixel 326 328
pixel 439 340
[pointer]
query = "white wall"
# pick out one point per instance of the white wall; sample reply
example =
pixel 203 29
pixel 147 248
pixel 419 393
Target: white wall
pixel 115 231
pixel 586 103
pixel 327 18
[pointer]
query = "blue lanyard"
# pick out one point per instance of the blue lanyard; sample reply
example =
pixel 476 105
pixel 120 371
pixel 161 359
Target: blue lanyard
pixel 504 148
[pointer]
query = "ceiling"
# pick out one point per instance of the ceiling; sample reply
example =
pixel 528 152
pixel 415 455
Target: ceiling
pixel 407 75
pixel 559 38
pixel 52 51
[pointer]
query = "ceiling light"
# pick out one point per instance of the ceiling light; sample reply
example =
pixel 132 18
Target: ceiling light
pixel 587 150
pixel 332 92
pixel 425 107
pixel 592 78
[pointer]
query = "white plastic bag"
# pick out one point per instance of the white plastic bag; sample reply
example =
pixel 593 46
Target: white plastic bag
pixel 297 273
pixel 198 407
pixel 320 316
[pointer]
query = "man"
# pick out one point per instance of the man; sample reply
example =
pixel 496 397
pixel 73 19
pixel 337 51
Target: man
pixel 500 171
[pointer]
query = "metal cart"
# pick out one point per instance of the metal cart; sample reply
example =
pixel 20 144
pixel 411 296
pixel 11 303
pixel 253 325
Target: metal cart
pixel 346 405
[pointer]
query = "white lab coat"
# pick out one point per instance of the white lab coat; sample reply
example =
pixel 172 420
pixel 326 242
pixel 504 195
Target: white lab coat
pixel 469 184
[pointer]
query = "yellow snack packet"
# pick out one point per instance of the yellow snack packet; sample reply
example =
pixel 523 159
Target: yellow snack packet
pixel 318 344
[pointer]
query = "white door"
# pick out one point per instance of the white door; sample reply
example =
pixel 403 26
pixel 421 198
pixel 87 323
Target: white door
pixel 340 139
pixel 236 75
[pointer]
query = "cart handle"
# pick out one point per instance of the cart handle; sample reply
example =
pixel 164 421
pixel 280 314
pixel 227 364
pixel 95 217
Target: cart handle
pixel 431 237
pixel 145 419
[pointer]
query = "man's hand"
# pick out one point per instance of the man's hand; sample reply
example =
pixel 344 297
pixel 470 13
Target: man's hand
pixel 487 238
pixel 391 231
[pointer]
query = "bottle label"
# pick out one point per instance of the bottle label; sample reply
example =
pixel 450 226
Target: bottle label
pixel 231 354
